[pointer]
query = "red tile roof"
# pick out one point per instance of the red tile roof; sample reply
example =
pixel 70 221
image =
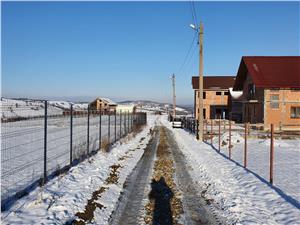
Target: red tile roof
pixel 214 82
pixel 269 71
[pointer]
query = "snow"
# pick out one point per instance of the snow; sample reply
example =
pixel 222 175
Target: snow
pixel 242 196
pixel 180 109
pixel 22 147
pixel 235 94
pixel 11 108
pixel 63 196
pixel 245 196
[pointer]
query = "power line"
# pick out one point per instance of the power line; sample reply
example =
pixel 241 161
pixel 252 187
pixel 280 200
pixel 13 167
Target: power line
pixel 187 55
pixel 195 13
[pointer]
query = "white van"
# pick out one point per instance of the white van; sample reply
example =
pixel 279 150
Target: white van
pixel 177 123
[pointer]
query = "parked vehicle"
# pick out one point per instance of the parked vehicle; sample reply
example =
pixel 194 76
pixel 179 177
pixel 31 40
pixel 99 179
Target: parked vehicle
pixel 177 122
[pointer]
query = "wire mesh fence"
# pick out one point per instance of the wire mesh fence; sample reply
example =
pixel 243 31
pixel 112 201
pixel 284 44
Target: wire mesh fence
pixel 36 146
pixel 273 155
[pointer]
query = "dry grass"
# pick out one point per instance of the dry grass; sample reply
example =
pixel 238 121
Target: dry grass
pixel 137 129
pixel 105 145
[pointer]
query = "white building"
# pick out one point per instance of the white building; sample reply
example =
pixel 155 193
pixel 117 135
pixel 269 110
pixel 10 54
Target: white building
pixel 126 108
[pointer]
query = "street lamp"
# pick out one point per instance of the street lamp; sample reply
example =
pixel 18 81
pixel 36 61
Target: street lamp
pixel 200 90
pixel 193 27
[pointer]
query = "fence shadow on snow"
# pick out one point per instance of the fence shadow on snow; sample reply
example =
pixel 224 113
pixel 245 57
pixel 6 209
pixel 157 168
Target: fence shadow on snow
pixel 39 141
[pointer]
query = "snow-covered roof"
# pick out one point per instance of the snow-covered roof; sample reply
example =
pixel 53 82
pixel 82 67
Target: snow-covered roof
pixel 235 94
pixel 109 101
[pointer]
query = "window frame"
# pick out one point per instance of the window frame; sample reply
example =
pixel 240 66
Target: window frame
pixel 274 102
pixel 297 112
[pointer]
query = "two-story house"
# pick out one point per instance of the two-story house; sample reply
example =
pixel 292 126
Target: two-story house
pixel 215 96
pixel 271 89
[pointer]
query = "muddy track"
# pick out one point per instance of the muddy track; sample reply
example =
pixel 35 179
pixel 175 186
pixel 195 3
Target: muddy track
pixel 197 208
pixel 177 199
pixel 164 204
pixel 130 202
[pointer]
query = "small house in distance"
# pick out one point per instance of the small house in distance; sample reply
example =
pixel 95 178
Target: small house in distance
pixel 271 90
pixel 122 108
pixel 104 104
pixel 215 96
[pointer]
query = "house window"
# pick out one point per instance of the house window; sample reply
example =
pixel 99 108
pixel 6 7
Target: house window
pixel 226 93
pixel 204 94
pixel 274 101
pixel 218 93
pixel 295 112
pixel 251 91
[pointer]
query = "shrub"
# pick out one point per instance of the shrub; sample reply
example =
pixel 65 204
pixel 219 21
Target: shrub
pixel 105 145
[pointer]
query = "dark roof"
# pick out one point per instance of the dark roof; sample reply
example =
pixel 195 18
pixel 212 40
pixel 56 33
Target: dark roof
pixel 214 82
pixel 269 71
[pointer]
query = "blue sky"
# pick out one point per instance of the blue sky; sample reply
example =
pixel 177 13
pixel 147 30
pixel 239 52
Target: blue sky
pixel 129 50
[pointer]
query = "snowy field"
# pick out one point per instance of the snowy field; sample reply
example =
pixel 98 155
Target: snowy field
pixel 22 147
pixel 67 194
pixel 11 108
pixel 246 195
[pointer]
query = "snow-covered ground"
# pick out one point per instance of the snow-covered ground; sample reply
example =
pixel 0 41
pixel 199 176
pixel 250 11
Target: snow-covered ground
pixel 11 108
pixel 59 200
pixel 22 147
pixel 244 195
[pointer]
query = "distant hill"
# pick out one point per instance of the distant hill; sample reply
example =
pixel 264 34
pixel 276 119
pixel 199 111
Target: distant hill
pixel 146 105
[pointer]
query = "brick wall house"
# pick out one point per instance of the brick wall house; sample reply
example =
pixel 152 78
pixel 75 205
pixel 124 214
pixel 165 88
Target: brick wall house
pixel 271 90
pixel 105 104
pixel 215 95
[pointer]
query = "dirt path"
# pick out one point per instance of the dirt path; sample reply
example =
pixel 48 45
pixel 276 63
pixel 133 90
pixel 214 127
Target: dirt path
pixel 159 191
pixel 198 209
pixel 130 202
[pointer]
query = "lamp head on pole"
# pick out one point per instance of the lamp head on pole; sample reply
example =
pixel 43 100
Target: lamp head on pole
pixel 193 26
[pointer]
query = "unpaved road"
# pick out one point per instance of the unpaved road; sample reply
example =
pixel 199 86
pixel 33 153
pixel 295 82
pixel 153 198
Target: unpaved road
pixel 162 179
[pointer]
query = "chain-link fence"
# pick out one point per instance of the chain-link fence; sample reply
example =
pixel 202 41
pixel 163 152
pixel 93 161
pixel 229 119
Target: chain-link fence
pixel 38 141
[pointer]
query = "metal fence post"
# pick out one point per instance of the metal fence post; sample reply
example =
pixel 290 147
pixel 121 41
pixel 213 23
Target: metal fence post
pixel 229 146
pixel 88 130
pixel 206 129
pixel 71 135
pixel 45 142
pixel 211 132
pixel 124 123
pixel 197 133
pixel 272 154
pixel 219 133
pixel 245 145
pixel 109 127
pixel 120 123
pixel 100 128
pixel 115 126
pixel 131 122
pixel 128 122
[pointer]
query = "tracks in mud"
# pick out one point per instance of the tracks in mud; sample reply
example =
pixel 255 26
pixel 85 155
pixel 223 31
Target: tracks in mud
pixel 198 209
pixel 173 198
pixel 130 202
pixel 159 190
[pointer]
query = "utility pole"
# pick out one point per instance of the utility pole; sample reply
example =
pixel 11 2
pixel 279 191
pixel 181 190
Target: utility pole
pixel 200 91
pixel 174 96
